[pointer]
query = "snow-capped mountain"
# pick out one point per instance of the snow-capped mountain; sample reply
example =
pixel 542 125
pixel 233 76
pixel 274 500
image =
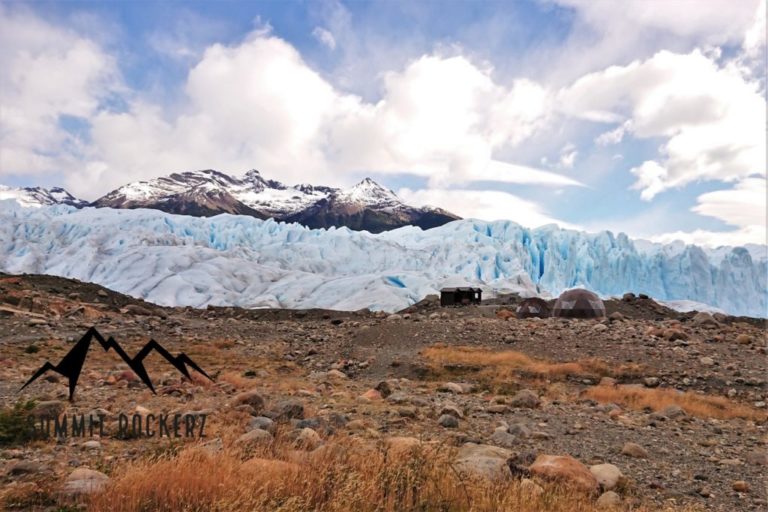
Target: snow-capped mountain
pixel 243 261
pixel 36 197
pixel 366 206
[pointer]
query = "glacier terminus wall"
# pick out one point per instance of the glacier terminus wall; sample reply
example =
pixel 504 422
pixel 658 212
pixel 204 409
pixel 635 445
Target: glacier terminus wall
pixel 177 260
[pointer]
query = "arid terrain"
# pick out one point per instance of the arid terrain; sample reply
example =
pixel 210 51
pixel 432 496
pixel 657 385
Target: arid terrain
pixel 427 409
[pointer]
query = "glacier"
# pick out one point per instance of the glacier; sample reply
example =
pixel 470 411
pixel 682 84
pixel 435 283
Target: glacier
pixel 231 260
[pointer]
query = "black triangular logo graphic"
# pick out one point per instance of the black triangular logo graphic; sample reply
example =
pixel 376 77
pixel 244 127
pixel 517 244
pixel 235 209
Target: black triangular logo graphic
pixel 72 363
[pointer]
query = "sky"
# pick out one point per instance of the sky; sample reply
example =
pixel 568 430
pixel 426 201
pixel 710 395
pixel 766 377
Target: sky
pixel 646 117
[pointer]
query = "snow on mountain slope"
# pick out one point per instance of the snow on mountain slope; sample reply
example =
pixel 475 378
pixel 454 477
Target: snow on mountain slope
pixel 243 261
pixel 35 197
pixel 366 206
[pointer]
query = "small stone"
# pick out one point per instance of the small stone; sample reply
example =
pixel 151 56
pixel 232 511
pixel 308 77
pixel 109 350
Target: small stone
pixel 336 374
pixel 674 335
pixel 519 430
pixel 451 387
pixel 525 398
pixel 608 500
pixel 673 412
pixel 92 445
pixel 260 423
pixel 744 339
pixel 254 437
pixel 452 410
pixel 384 388
pixel 740 486
pixel 607 475
pixel 504 439
pixel 600 328
pixel 651 382
pixel 448 421
pixel 371 395
pixel 634 450
pixel 707 361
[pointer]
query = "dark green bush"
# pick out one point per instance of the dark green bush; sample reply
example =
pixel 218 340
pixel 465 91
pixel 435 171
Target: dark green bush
pixel 14 424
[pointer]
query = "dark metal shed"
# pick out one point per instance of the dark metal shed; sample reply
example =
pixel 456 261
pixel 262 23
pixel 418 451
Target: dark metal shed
pixel 460 296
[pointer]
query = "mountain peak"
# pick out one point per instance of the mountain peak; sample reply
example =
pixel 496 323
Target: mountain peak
pixel 369 192
pixel 39 196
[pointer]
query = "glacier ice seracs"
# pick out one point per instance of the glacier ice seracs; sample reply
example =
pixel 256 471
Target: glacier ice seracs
pixel 178 260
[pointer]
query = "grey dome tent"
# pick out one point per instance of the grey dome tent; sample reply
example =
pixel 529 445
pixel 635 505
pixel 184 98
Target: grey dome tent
pixel 579 303
pixel 534 307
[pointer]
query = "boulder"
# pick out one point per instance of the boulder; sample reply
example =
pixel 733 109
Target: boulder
pixel 251 398
pixel 48 409
pixel 448 421
pixel 565 469
pixel 703 319
pixel 84 481
pixel 308 439
pixel 288 410
pixel 607 475
pixel 483 461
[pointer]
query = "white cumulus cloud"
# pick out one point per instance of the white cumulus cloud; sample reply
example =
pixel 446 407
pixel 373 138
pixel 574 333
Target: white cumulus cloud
pixel 711 117
pixel 487 205
pixel 325 37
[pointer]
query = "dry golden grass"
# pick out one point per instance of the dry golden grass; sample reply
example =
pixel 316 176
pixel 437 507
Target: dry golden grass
pixel 503 365
pixel 340 477
pixel 702 406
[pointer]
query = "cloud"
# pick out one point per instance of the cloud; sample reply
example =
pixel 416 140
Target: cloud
pixel 754 39
pixel 258 104
pixel 714 22
pixel 325 37
pixel 743 205
pixel 711 115
pixel 705 238
pixel 487 205
pixel 48 74
pixel 614 136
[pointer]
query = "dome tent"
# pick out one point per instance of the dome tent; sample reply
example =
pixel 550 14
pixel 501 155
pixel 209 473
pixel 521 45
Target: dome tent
pixel 534 307
pixel 579 303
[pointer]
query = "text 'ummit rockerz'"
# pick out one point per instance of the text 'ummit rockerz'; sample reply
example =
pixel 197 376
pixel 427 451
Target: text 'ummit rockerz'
pixel 137 425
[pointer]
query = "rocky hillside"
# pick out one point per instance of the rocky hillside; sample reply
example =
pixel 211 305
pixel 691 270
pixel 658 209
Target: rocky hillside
pixel 647 410
pixel 366 206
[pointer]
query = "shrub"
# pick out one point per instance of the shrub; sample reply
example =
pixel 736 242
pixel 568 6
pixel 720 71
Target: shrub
pixel 14 425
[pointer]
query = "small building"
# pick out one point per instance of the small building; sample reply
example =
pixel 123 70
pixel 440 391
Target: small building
pixel 460 296
pixel 534 307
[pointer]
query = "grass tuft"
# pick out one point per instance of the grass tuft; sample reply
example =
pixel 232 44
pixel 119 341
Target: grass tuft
pixel 657 399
